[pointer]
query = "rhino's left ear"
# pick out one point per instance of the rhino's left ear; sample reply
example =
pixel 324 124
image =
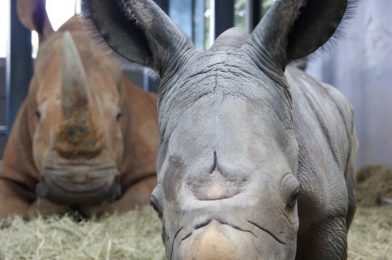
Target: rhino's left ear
pixel 292 29
pixel 139 31
pixel 33 15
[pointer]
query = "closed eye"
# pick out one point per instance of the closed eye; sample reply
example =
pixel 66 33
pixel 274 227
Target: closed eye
pixel 293 199
pixel 118 116
pixel 156 206
pixel 37 114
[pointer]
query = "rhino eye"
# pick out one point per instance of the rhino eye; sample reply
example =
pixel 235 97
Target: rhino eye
pixel 37 114
pixel 293 199
pixel 118 116
pixel 155 204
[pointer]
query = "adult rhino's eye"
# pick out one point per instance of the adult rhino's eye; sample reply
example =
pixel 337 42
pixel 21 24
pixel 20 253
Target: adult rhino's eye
pixel 293 199
pixel 38 114
pixel 118 116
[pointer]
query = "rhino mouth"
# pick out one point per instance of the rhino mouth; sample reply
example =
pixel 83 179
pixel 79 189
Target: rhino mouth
pixel 79 185
pixel 212 239
pixel 208 221
pixel 221 234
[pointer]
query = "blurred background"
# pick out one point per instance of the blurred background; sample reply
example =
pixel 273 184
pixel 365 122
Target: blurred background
pixel 358 62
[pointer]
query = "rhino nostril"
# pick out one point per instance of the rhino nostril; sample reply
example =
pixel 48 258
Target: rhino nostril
pixel 186 236
pixel 202 224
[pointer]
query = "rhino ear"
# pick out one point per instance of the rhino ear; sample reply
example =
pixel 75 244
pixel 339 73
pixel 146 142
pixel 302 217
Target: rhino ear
pixel 139 31
pixel 32 14
pixel 293 29
pixel 112 24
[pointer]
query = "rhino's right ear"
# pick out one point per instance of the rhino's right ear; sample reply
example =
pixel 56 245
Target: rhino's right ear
pixel 139 31
pixel 293 29
pixel 33 15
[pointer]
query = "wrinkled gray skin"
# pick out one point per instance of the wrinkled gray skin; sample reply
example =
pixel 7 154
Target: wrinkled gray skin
pixel 242 134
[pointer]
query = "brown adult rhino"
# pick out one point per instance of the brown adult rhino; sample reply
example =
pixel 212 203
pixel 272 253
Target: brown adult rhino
pixel 256 158
pixel 85 138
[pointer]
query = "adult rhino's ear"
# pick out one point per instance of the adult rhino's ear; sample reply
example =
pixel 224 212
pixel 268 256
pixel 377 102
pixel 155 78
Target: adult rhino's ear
pixel 139 31
pixel 293 29
pixel 33 15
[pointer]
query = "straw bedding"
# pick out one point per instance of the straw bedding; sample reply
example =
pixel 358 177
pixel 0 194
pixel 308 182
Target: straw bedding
pixel 373 183
pixel 136 235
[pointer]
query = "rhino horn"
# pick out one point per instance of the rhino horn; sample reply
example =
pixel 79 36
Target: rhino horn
pixel 75 95
pixel 75 91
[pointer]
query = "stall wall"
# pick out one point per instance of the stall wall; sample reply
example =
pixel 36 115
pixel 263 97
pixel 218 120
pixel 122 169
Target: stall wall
pixel 359 64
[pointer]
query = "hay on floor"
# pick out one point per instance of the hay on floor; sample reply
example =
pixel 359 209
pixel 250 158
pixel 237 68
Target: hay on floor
pixel 137 235
pixel 373 183
pixel 370 235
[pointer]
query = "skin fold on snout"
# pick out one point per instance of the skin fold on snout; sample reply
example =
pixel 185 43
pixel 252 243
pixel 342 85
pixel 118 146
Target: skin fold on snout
pixel 79 186
pixel 217 241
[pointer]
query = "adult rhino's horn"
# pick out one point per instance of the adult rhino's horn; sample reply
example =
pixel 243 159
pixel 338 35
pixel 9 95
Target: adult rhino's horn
pixel 75 91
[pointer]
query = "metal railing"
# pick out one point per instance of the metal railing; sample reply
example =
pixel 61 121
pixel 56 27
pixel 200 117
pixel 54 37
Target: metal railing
pixel 19 68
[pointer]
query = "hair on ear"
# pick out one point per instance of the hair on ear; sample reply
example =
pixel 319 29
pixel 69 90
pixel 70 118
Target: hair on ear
pixel 33 15
pixel 351 9
pixel 109 24
pixel 99 40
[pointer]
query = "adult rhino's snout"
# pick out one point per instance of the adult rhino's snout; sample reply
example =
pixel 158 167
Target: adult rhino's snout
pixel 79 185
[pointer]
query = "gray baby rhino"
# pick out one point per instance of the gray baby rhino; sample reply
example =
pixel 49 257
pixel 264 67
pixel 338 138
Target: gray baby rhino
pixel 256 158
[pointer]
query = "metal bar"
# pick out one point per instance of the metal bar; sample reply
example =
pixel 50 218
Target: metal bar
pixel 3 113
pixel 253 14
pixel 257 12
pixel 19 66
pixel 198 9
pixel 223 16
pixel 3 130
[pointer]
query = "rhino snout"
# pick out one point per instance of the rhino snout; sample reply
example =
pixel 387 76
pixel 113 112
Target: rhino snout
pixel 216 240
pixel 73 187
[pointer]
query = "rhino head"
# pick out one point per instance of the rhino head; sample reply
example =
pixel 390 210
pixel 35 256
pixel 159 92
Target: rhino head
pixel 76 114
pixel 228 160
